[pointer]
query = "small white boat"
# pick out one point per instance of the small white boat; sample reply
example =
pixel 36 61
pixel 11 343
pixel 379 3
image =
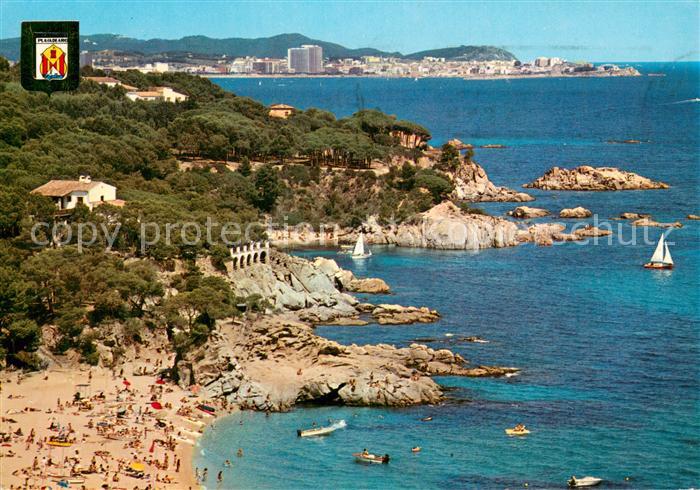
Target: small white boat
pixel 586 481
pixel 321 431
pixel 368 458
pixel 662 257
pixel 360 251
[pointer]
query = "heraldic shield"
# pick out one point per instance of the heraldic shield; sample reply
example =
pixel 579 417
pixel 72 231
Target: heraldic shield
pixel 50 57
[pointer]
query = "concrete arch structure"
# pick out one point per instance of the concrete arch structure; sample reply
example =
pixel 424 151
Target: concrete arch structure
pixel 251 254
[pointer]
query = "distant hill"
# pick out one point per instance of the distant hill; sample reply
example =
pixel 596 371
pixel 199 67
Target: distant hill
pixel 466 53
pixel 271 47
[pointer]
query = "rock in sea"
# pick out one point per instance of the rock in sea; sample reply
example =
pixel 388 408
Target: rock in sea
pixel 586 178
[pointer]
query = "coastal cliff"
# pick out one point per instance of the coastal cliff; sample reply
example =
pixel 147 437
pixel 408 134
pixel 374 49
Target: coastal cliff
pixel 586 178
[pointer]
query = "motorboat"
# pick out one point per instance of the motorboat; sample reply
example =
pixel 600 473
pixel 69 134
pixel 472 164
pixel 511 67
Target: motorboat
pixel 518 430
pixel 367 458
pixel 586 481
pixel 321 431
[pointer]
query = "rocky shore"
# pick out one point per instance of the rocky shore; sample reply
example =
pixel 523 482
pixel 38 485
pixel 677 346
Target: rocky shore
pixel 447 227
pixel 277 362
pixel 274 361
pixel 586 178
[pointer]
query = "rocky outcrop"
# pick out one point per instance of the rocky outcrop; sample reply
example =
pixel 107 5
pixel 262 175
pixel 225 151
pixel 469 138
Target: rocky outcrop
pixel 460 145
pixel 445 227
pixel 648 221
pixel 634 216
pixel 472 184
pixel 577 212
pixel 346 280
pixel 588 231
pixel 545 234
pixel 290 283
pixel 586 178
pixel 275 363
pixel 541 234
pixel 401 315
pixel 526 212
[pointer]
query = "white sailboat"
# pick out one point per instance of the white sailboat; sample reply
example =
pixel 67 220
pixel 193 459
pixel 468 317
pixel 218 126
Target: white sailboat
pixel 360 251
pixel 662 257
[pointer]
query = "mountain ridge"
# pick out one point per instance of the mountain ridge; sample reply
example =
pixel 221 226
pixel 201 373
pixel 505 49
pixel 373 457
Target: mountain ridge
pixel 270 47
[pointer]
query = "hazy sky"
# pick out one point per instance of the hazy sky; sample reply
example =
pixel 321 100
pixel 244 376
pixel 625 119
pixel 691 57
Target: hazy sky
pixel 592 30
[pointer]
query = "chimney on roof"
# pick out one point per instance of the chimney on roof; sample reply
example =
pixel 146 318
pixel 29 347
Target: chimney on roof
pixel 86 179
pixel 81 178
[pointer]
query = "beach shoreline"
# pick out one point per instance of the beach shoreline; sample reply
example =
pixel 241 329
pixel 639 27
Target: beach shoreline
pixel 32 403
pixel 280 76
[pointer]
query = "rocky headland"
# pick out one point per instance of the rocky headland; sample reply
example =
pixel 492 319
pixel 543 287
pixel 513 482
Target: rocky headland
pixel 446 227
pixel 277 362
pixel 274 361
pixel 586 178
pixel 472 184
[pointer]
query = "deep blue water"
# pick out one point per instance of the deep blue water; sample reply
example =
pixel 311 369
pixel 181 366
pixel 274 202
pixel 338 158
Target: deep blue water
pixel 610 384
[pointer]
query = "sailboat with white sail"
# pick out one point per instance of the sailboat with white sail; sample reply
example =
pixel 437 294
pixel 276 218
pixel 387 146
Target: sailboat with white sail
pixel 360 251
pixel 662 257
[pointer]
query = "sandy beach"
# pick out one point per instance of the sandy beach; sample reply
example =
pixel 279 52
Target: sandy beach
pixel 115 436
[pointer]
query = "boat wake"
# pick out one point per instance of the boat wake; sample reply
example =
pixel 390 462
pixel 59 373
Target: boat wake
pixel 341 424
pixel 687 101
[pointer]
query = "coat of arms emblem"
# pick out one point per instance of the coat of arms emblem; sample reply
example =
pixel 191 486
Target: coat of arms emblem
pixel 51 58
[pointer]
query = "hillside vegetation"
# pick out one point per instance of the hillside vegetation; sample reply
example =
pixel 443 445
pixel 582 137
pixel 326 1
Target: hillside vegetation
pixel 246 167
pixel 263 47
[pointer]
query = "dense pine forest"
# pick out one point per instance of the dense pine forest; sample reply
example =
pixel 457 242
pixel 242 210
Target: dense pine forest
pixel 216 156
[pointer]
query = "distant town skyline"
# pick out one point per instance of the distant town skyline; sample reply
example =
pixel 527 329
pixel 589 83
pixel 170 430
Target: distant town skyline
pixel 594 31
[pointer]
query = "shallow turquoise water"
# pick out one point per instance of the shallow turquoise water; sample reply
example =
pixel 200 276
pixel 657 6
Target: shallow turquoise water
pixel 610 384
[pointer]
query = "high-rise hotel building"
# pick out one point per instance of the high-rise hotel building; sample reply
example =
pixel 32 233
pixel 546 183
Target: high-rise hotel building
pixel 306 59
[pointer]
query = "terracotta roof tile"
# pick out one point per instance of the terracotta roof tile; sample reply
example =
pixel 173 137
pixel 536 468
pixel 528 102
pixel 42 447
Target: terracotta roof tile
pixel 60 188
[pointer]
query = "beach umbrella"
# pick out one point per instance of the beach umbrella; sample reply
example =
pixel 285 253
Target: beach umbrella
pixel 160 381
pixel 157 405
pixel 126 382
pixel 63 484
pixel 136 466
pixel 195 388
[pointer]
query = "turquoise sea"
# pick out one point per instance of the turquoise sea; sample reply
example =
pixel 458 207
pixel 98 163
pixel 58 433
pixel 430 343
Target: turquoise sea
pixel 610 351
